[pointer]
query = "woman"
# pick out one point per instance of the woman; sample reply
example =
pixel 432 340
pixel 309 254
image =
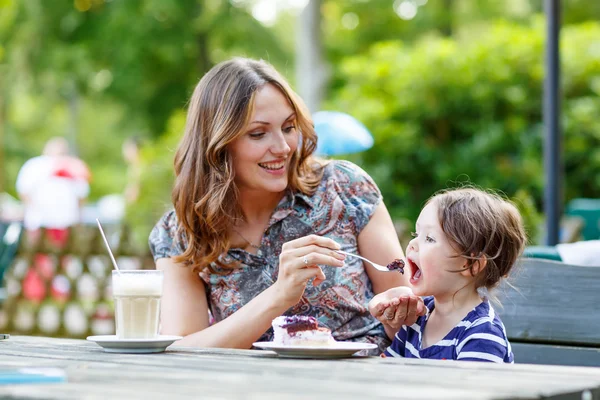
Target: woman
pixel 257 218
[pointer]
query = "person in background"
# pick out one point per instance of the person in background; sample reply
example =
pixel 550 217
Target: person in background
pixel 257 220
pixel 466 241
pixel 53 187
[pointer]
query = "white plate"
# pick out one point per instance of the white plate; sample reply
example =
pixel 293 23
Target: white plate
pixel 112 344
pixel 337 350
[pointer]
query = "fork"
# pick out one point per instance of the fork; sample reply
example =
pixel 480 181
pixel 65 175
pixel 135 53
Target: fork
pixel 375 265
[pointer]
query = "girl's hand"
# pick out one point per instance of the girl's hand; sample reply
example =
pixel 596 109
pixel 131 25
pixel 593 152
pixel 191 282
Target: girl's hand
pixel 396 307
pixel 299 262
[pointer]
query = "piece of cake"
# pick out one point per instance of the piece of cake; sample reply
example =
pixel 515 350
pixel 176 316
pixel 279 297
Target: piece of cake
pixel 300 330
pixel 396 265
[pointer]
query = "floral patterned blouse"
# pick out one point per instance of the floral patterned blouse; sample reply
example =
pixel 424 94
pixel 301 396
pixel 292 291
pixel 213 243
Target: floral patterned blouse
pixel 339 209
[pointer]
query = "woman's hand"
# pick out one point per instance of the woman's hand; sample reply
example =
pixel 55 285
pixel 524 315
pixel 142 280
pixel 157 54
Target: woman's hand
pixel 299 262
pixel 396 307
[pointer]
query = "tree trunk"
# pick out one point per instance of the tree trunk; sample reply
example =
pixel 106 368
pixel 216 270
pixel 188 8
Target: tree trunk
pixel 311 70
pixel 204 63
pixel 448 18
pixel 3 105
pixel 73 127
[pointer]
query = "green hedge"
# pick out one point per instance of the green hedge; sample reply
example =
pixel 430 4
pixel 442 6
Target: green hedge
pixel 448 110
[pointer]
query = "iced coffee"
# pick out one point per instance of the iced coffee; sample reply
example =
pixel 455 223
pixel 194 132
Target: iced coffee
pixel 137 303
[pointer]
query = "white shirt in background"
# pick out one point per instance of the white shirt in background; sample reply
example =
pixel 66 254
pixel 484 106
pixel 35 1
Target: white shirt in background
pixel 53 201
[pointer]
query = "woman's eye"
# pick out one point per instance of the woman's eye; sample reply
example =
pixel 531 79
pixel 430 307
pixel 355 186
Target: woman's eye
pixel 256 135
pixel 289 129
pixel 429 239
pixel 414 234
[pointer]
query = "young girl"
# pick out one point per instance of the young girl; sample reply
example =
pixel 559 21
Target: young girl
pixel 466 241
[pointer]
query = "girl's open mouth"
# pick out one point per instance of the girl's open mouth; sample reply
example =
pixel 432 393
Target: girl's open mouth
pixel 415 271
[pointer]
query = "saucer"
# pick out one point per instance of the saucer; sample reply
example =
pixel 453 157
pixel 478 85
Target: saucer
pixel 112 344
pixel 335 350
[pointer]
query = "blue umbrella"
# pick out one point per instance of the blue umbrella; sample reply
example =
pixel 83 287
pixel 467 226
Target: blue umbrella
pixel 340 133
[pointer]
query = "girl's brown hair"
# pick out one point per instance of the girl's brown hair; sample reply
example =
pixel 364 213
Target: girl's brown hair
pixel 482 226
pixel 205 195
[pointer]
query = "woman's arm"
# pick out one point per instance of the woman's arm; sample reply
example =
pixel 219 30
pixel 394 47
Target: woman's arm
pixel 184 308
pixel 378 242
pixel 184 312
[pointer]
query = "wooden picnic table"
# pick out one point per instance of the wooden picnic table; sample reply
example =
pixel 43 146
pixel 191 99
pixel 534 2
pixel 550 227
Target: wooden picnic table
pixel 256 374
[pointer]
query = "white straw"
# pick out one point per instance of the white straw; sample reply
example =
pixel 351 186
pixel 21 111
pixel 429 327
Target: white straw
pixel 108 247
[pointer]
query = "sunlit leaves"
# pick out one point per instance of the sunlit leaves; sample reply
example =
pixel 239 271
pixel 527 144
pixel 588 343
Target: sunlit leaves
pixel 471 107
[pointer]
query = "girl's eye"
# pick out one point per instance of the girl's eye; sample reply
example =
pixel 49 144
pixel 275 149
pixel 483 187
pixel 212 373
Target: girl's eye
pixel 289 129
pixel 414 234
pixel 256 135
pixel 429 239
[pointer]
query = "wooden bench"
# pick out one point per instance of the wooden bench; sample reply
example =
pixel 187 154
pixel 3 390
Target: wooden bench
pixel 553 316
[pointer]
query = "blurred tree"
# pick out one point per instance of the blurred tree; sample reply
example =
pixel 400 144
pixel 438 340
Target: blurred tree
pixel 156 180
pixel 311 71
pixel 352 26
pixel 156 50
pixel 146 54
pixel 444 110
pixel 105 70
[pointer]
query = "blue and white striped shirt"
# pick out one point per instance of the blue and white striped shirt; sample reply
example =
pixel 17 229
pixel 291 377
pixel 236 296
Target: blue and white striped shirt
pixel 480 336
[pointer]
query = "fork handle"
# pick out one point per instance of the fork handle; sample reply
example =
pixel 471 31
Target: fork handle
pixel 348 254
pixel 353 255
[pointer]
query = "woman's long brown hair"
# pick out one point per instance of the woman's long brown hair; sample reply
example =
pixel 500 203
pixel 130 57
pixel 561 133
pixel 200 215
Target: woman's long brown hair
pixel 205 195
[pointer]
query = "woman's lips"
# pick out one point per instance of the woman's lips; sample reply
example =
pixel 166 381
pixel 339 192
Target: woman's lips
pixel 274 168
pixel 273 165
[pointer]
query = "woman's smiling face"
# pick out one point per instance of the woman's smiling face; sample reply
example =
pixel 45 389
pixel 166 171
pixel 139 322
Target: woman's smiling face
pixel 431 258
pixel 261 156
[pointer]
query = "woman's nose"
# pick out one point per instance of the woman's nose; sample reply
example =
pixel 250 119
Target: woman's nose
pixel 280 146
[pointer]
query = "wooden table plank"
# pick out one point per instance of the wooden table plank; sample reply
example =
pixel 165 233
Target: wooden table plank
pixel 232 374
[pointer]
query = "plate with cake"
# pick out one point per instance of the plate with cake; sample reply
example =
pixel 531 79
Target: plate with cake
pixel 301 337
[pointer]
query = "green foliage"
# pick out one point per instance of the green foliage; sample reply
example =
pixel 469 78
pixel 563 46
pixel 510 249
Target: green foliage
pixel 100 71
pixel 531 217
pixel 469 108
pixel 467 105
pixel 156 180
